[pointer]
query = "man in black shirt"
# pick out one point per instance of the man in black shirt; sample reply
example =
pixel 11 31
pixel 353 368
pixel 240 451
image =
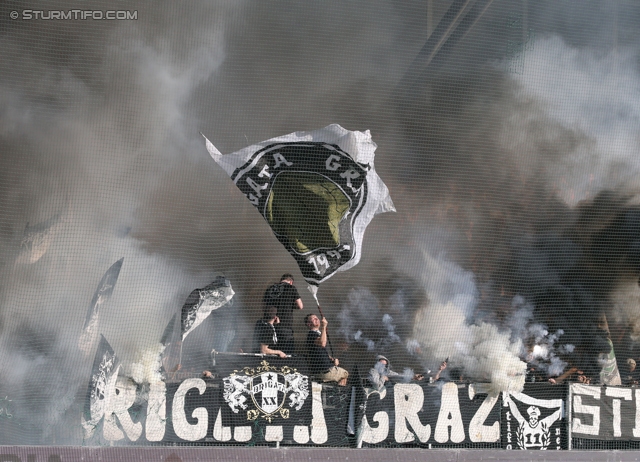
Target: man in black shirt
pixel 285 297
pixel 320 363
pixel 265 338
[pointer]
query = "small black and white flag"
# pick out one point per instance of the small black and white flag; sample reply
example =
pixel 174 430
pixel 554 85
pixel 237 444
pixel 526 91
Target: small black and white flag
pixel 531 423
pixel 37 239
pixel 102 294
pixel 201 302
pixel 102 385
pixel 317 190
pixel 167 335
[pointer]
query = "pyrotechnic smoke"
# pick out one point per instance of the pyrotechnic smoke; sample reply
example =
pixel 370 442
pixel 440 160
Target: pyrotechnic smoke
pixel 514 175
pixel 626 302
pixel 89 122
pixel 147 368
pixel 362 321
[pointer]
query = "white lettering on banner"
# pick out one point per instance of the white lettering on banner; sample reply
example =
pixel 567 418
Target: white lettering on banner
pixel 181 426
pixel 101 408
pixel 624 393
pixel 279 158
pixel 119 404
pixel 408 400
pixel 301 434
pixel 320 263
pixel 253 199
pixel 478 431
pixel 331 165
pixel 449 416
pixel 156 412
pixel 256 187
pixel 264 172
pixel 319 433
pixel 378 434
pixel 221 433
pixel 579 408
pixel 350 174
pixel 322 260
pixel 242 434
pixel 636 429
pixel 273 433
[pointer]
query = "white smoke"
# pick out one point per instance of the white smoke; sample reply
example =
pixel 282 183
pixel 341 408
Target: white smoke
pixel 412 346
pixel 445 329
pixel 147 368
pixel 102 140
pixel 626 304
pixel 100 126
pixel 362 321
pixel 483 352
pixel 540 347
pixel 448 328
pixel 590 102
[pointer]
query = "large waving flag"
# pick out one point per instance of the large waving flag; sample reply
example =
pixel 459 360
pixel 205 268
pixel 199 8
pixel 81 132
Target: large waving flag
pixel 317 190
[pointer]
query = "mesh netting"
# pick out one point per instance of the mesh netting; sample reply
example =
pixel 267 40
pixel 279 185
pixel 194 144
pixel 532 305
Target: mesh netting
pixel 130 262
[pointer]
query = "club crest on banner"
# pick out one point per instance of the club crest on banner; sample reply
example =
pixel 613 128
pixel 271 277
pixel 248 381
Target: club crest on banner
pixel 266 389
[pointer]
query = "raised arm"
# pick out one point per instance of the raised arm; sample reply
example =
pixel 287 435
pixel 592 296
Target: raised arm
pixel 550 419
pixel 514 409
pixel 443 366
pixel 563 377
pixel 322 340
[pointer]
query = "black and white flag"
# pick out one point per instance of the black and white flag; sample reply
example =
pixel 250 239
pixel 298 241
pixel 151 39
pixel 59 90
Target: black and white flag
pixel 101 295
pixel 317 190
pixel 167 335
pixel 531 423
pixel 102 386
pixel 201 302
pixel 36 239
pixel 605 413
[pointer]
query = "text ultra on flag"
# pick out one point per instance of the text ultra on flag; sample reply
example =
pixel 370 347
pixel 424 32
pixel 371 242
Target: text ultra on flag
pixel 317 190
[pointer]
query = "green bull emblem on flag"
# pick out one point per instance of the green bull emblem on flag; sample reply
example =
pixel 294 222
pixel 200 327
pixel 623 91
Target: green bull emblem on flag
pixel 317 190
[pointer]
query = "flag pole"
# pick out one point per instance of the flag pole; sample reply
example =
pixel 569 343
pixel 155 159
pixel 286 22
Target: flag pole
pixel 179 365
pixel 314 291
pixel 328 339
